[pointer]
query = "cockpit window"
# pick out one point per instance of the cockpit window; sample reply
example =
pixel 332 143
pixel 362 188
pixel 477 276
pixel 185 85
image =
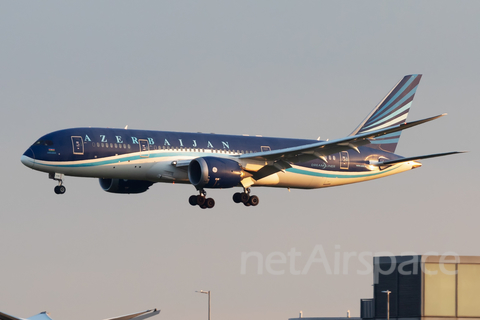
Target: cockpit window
pixel 43 143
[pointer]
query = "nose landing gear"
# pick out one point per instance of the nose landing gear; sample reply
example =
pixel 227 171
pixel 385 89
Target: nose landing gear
pixel 245 198
pixel 60 189
pixel 201 200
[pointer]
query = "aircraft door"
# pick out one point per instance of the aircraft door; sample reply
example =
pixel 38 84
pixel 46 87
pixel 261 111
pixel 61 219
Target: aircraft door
pixel 77 144
pixel 144 148
pixel 344 160
pixel 265 148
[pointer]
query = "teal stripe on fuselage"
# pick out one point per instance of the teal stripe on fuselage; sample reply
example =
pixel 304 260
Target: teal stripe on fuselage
pixel 113 161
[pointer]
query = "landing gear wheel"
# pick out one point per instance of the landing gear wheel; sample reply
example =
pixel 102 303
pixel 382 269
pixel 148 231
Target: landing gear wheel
pixel 237 197
pixel 192 200
pixel 247 204
pixel 60 189
pixel 253 200
pixel 201 200
pixel 244 197
pixel 210 203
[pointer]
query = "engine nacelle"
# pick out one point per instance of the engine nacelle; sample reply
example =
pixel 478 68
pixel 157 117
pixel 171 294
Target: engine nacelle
pixel 213 172
pixel 124 186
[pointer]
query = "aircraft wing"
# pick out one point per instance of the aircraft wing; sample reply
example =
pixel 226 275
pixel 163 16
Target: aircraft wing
pixel 390 162
pixel 323 148
pixel 282 158
pixel 138 316
pixel 41 316
pixel 4 316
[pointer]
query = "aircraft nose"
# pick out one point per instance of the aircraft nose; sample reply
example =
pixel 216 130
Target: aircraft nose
pixel 28 158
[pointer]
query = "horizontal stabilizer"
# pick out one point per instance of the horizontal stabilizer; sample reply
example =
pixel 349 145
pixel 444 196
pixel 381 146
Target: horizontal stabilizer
pixel 390 162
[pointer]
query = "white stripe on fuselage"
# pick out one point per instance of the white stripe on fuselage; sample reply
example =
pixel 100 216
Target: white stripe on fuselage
pixel 158 167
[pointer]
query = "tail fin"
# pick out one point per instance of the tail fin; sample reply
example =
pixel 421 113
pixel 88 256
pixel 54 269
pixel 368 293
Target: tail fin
pixel 392 110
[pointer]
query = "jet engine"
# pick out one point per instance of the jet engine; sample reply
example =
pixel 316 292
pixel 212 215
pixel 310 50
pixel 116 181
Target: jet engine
pixel 214 172
pixel 124 186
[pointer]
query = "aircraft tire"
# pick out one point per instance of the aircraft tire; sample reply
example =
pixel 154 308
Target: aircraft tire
pixel 62 189
pixel 237 197
pixel 192 200
pixel 56 189
pixel 210 203
pixel 203 206
pixel 253 200
pixel 244 197
pixel 200 200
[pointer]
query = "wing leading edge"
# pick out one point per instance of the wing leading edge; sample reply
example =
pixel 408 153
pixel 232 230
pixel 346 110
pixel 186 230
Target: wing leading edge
pixel 138 315
pixel 325 148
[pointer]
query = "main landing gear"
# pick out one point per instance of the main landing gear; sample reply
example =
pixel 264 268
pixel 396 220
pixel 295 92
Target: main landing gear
pixel 201 200
pixel 60 189
pixel 245 198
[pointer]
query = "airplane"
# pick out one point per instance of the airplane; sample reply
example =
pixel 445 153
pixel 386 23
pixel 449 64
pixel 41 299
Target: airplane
pixel 46 316
pixel 130 161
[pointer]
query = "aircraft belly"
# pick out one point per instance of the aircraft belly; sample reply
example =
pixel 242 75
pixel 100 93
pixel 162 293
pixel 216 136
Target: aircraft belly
pixel 293 180
pixel 300 177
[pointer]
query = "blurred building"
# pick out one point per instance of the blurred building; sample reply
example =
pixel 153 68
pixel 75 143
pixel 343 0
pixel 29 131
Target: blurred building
pixel 423 288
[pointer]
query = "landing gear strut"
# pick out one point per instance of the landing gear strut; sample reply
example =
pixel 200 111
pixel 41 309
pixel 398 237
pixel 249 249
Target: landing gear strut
pixel 245 198
pixel 201 200
pixel 60 189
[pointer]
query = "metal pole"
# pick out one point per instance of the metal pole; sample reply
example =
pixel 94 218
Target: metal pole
pixel 388 305
pixel 208 304
pixel 388 302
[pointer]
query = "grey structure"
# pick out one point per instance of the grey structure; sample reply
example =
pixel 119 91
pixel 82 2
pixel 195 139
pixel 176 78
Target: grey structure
pixel 422 288
pixel 425 288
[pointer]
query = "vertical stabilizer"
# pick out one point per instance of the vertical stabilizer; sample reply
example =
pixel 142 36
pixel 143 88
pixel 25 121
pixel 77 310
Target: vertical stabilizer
pixel 391 111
